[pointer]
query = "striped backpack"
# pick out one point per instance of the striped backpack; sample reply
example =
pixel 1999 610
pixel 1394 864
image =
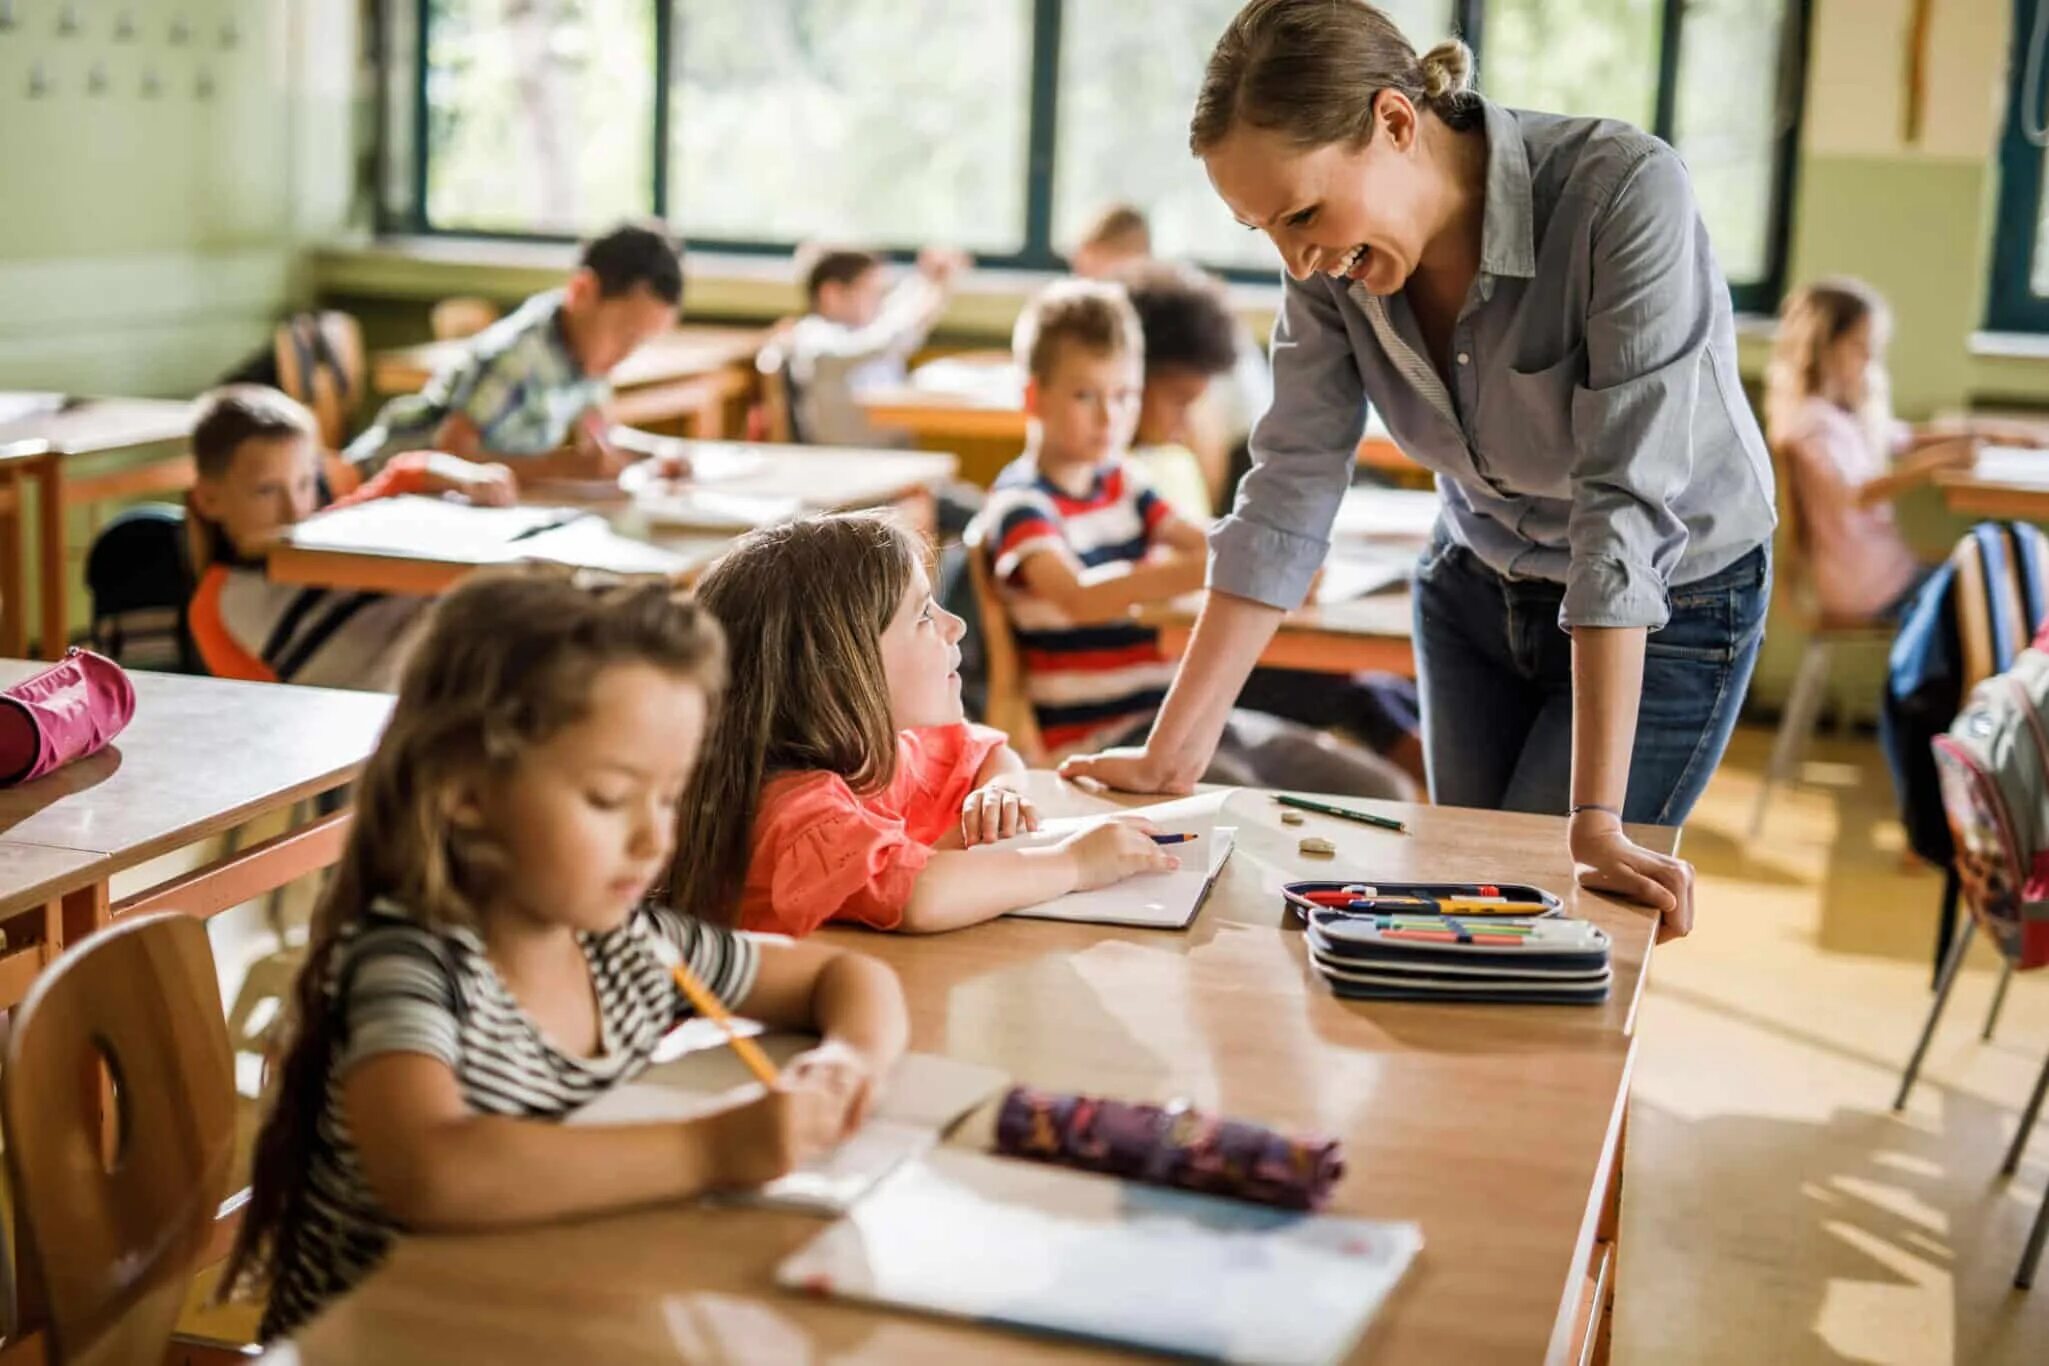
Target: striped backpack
pixel 1993 766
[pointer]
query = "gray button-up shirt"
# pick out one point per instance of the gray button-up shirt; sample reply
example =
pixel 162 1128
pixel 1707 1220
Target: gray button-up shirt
pixel 1593 431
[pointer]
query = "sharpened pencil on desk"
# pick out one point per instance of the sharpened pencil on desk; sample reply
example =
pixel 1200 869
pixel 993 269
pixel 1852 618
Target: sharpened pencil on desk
pixel 1342 812
pixel 1174 839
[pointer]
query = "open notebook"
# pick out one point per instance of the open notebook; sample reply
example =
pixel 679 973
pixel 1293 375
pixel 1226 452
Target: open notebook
pixel 1018 1243
pixel 924 1095
pixel 1166 901
pixel 430 528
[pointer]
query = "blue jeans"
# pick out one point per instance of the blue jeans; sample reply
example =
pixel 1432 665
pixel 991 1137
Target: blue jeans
pixel 1496 678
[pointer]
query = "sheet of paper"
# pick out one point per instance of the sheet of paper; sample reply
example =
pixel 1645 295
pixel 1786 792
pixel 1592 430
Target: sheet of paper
pixel 1386 514
pixel 589 543
pixel 18 405
pixel 923 1097
pixel 2013 464
pixel 711 462
pixel 685 505
pixel 1002 1241
pixel 429 528
pixel 1156 900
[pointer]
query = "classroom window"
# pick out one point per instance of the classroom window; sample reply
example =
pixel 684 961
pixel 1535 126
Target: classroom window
pixel 537 115
pixel 2020 249
pixel 1003 126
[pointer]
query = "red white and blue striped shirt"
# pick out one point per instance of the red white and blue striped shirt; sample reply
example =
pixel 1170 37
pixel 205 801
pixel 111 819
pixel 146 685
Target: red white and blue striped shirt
pixel 1088 684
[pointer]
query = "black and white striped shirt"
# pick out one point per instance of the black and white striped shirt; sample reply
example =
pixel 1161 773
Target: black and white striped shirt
pixel 402 987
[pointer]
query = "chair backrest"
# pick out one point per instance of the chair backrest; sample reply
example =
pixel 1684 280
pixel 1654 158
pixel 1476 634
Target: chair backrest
pixel 2002 595
pixel 116 1212
pixel 465 315
pixel 320 362
pixel 1008 709
pixel 778 395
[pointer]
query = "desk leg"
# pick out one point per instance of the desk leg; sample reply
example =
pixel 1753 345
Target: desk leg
pixel 1611 1234
pixel 13 619
pixel 56 631
pixel 86 910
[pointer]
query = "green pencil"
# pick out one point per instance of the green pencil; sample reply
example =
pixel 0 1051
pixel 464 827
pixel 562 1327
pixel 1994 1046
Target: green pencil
pixel 1342 812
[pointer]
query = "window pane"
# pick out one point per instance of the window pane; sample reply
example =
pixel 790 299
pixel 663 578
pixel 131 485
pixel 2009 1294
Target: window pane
pixel 1727 124
pixel 1128 79
pixel 1573 56
pixel 540 114
pixel 2038 274
pixel 879 122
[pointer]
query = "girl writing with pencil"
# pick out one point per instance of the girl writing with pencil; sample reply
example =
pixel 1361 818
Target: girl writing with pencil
pixel 483 962
pixel 846 784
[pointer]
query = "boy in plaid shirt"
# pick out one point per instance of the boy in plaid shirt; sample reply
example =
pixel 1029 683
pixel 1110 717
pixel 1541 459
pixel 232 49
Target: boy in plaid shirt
pixel 531 389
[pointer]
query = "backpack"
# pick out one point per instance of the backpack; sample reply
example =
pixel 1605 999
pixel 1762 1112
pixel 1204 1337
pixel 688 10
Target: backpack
pixel 140 577
pixel 1993 767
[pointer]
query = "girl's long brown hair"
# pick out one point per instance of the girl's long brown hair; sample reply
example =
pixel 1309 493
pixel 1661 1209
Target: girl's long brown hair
pixel 1814 317
pixel 803 607
pixel 505 660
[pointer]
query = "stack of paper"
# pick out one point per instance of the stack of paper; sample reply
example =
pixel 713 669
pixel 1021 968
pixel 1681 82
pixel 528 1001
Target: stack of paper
pixel 1031 1246
pixel 1166 901
pixel 429 528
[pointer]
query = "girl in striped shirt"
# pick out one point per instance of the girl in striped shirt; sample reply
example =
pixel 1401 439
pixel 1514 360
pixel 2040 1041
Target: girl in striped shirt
pixel 483 962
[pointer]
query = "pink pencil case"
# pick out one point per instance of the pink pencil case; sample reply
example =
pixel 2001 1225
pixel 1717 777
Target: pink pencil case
pixel 73 708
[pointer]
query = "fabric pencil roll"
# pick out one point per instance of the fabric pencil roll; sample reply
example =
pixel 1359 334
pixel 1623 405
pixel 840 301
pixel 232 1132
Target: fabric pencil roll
pixel 1169 1146
pixel 69 710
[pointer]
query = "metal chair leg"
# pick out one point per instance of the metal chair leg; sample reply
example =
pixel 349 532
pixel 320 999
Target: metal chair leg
pixel 1998 997
pixel 1803 704
pixel 1949 978
pixel 2025 1277
pixel 2028 1117
pixel 1945 925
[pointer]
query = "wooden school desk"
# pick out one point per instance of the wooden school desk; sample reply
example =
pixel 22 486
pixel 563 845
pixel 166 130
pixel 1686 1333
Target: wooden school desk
pixel 826 479
pixel 69 436
pixel 1498 1129
pixel 692 374
pixel 201 757
pixel 1368 633
pixel 2008 482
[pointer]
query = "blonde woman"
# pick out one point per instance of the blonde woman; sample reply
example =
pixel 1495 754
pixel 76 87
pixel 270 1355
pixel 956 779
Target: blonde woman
pixel 1828 413
pixel 1531 303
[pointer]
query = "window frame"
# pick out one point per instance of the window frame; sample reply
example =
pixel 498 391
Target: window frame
pixel 1038 252
pixel 2011 304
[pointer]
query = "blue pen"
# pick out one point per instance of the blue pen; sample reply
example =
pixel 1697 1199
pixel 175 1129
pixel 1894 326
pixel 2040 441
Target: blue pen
pixel 1174 839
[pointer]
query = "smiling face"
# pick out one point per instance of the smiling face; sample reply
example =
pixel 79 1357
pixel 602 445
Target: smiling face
pixel 1359 212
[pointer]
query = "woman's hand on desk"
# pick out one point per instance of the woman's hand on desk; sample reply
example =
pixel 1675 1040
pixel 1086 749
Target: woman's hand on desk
pixel 1607 860
pixel 1128 768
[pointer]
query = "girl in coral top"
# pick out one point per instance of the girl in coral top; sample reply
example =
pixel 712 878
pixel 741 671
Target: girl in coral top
pixel 845 782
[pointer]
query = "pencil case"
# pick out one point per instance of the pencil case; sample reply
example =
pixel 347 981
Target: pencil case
pixel 1365 897
pixel 73 708
pixel 1169 1146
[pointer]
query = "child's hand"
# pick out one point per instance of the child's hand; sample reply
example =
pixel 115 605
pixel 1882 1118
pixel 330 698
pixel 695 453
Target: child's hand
pixel 780 1130
pixel 839 1067
pixel 941 264
pixel 490 486
pixel 1114 851
pixel 995 812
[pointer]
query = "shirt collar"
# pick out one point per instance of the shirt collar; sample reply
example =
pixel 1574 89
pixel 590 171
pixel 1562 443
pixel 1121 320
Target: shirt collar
pixel 1508 227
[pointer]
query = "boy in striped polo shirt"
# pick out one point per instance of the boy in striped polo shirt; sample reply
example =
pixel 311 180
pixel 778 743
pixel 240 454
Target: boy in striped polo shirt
pixel 1080 539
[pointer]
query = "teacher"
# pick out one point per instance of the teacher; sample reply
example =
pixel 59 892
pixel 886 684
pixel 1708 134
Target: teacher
pixel 1531 302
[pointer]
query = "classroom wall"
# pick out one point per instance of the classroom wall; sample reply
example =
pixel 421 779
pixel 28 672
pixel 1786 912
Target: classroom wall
pixel 158 186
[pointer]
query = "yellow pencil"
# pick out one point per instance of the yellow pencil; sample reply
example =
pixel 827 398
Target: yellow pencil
pixel 708 1006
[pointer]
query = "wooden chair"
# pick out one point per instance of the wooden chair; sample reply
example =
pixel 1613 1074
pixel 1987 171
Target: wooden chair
pixel 1008 709
pixel 320 362
pixel 465 315
pixel 1792 599
pixel 116 1213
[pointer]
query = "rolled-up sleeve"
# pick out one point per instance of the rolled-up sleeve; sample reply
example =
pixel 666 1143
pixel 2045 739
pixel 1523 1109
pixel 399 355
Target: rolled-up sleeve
pixel 1650 318
pixel 1278 532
